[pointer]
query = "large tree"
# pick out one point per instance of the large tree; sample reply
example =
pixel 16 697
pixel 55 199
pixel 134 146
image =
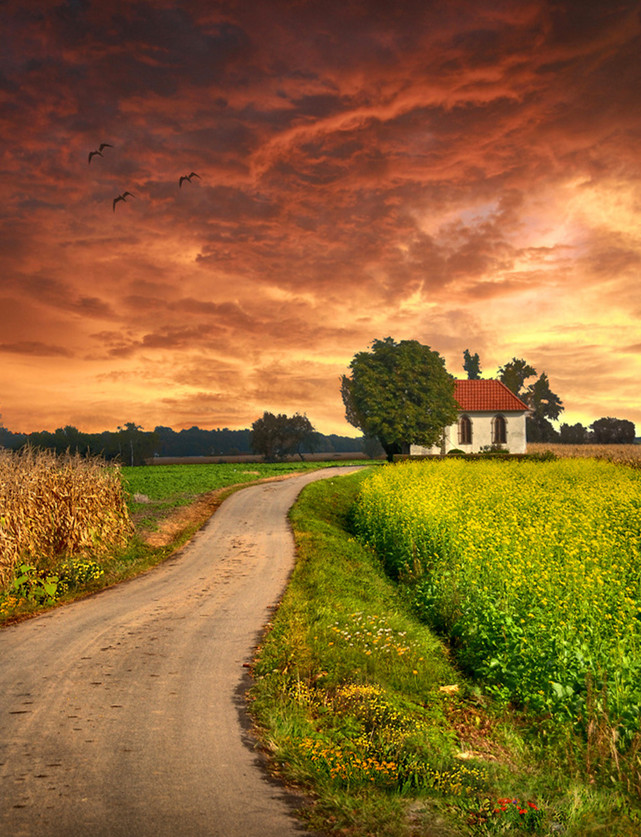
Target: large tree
pixel 514 375
pixel 543 403
pixel 277 436
pixel 612 431
pixel 401 393
pixel 573 434
pixel 135 445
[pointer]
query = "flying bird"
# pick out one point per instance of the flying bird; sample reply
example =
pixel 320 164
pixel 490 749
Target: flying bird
pixel 122 197
pixel 187 177
pixel 98 151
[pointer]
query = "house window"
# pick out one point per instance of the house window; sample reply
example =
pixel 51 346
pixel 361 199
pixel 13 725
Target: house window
pixel 499 434
pixel 464 431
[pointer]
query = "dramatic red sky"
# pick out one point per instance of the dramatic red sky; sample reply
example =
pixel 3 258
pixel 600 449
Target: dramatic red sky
pixel 463 172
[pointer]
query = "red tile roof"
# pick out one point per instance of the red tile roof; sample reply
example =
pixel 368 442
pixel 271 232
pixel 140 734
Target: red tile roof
pixel 487 395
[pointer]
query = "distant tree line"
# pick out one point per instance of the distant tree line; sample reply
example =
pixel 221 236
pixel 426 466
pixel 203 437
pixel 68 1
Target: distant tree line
pixel 131 445
pixel 604 431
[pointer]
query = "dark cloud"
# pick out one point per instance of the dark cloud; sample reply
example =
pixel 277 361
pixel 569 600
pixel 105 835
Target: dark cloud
pixel 55 293
pixel 35 348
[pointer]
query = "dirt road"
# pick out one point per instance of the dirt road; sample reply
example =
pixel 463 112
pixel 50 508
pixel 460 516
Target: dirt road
pixel 123 715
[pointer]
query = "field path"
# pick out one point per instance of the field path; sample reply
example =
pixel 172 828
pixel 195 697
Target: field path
pixel 122 715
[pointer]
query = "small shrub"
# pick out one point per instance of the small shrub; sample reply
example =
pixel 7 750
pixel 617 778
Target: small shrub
pixel 33 585
pixel 78 573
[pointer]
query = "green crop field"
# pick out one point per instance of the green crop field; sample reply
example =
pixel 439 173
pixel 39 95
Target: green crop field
pixel 182 483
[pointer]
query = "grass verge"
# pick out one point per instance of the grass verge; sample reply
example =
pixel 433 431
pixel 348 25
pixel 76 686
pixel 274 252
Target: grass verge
pixel 358 703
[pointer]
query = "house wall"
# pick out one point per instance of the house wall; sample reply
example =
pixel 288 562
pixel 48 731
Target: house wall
pixel 481 435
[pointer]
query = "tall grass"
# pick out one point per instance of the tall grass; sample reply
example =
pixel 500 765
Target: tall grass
pixel 53 507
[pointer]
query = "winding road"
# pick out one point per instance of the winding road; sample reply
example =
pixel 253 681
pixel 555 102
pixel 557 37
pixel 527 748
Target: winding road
pixel 123 715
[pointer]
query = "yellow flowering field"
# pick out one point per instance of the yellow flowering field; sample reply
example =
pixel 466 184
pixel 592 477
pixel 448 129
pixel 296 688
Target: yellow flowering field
pixel 531 568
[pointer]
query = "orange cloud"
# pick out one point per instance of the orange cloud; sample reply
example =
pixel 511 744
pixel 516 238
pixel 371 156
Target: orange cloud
pixel 464 174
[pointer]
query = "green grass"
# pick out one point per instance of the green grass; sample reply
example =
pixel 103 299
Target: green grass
pixel 351 700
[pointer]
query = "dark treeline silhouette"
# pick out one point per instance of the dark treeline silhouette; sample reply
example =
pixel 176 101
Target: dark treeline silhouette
pixel 132 445
pixel 603 431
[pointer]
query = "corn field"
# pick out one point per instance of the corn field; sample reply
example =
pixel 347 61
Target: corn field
pixel 621 454
pixel 57 507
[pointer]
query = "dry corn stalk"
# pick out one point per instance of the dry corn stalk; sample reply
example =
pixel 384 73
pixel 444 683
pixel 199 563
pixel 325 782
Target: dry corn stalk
pixel 58 506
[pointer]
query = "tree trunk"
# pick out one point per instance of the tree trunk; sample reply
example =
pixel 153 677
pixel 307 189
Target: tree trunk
pixel 391 449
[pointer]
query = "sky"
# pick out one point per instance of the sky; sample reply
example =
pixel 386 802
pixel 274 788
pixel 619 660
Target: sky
pixel 464 173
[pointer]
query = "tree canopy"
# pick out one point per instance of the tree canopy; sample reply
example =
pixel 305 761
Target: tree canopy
pixel 472 365
pixel 543 403
pixel 163 441
pixel 400 393
pixel 611 431
pixel 277 436
pixel 514 375
pixel 573 434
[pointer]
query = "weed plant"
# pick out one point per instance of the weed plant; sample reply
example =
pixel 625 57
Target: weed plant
pixel 356 700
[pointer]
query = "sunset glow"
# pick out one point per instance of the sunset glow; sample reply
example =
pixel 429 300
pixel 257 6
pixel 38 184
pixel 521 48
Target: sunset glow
pixel 462 173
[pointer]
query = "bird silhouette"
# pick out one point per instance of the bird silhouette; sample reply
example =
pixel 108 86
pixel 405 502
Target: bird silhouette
pixel 187 177
pixel 98 151
pixel 122 197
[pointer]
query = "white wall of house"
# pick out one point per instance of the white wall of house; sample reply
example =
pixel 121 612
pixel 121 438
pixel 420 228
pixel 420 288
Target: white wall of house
pixel 515 440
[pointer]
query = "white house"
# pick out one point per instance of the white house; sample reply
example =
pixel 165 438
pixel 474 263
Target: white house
pixel 490 415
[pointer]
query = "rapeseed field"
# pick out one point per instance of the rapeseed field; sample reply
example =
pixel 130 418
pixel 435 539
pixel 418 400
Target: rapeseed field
pixel 532 569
